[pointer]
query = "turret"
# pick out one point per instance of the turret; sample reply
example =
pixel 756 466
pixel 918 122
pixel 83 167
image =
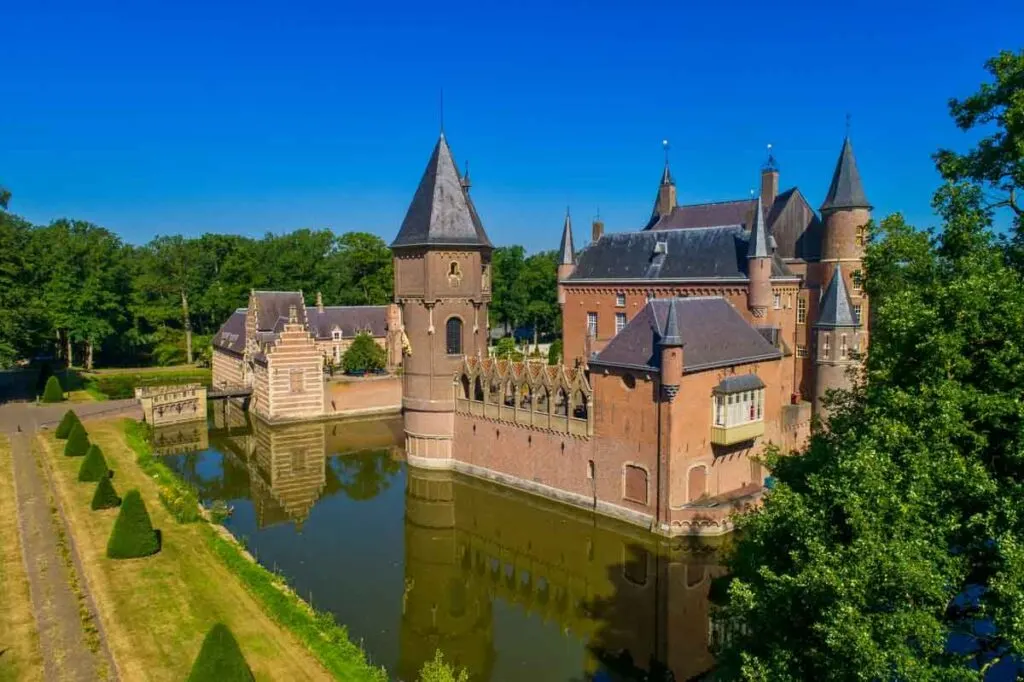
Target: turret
pixel 566 256
pixel 846 212
pixel 838 340
pixel 759 265
pixel 670 345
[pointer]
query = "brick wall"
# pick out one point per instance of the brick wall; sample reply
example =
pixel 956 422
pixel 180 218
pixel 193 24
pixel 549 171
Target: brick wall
pixel 227 369
pixel 364 396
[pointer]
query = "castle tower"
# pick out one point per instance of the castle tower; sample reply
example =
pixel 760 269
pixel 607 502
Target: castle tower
pixel 838 340
pixel 442 266
pixel 670 345
pixel 666 201
pixel 445 605
pixel 566 257
pixel 759 266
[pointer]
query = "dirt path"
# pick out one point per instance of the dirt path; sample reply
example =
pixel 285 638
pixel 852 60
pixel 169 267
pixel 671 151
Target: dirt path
pixel 70 641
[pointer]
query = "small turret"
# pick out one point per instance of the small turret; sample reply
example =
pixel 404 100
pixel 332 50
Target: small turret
pixel 759 265
pixel 671 346
pixel 566 256
pixel 839 340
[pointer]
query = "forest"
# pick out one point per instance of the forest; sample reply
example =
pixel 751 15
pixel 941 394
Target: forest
pixel 76 291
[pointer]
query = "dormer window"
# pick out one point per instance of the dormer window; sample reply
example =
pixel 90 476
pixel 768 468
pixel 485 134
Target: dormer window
pixel 336 335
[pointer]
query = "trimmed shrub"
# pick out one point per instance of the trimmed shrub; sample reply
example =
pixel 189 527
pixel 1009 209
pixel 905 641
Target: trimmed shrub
pixel 94 466
pixel 220 659
pixel 67 421
pixel 53 393
pixel 78 441
pixel 133 535
pixel 105 496
pixel 364 355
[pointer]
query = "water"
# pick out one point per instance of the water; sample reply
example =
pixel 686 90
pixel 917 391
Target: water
pixel 507 584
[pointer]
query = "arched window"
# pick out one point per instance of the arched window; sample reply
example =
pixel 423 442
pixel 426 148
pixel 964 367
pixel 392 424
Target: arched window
pixel 465 386
pixel 453 336
pixel 579 400
pixel 478 390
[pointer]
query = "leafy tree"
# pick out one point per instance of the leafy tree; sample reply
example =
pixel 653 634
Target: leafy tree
pixel 364 355
pixel 63 429
pixel 94 465
pixel 78 441
pixel 540 281
pixel 53 393
pixel 220 659
pixel 133 535
pixel 105 496
pixel 5 197
pixel 508 296
pixel 22 323
pixel 438 670
pixel 506 349
pixel 362 265
pixel 555 352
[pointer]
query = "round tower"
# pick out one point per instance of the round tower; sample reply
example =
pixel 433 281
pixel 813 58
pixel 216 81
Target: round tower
pixel 839 341
pixel 566 257
pixel 442 270
pixel 759 266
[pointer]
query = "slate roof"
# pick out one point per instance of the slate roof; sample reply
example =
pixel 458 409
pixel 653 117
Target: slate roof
pixel 231 335
pixel 712 332
pixel 739 383
pixel 272 305
pixel 698 254
pixel 738 212
pixel 836 309
pixel 846 190
pixel 758 245
pixel 441 212
pixel 349 319
pixel 567 250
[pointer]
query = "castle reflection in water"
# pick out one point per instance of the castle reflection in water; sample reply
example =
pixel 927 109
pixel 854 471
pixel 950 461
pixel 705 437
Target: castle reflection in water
pixel 469 552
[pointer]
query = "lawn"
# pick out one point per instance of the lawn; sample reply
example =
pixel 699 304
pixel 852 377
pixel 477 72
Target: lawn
pixel 20 658
pixel 155 611
pixel 120 382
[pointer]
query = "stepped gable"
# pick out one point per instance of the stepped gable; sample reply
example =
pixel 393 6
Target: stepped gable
pixel 712 333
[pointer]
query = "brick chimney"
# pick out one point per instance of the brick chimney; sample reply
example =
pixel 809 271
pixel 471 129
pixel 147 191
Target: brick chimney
pixel 319 302
pixel 596 229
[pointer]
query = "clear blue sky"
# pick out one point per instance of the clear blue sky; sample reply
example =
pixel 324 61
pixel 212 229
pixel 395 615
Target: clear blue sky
pixel 246 117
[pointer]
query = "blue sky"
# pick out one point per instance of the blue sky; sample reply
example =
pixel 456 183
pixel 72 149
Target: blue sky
pixel 253 117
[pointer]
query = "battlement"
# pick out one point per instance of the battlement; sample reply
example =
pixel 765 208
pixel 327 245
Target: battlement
pixel 163 405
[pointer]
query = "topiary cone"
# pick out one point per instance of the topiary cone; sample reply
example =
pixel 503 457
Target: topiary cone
pixel 94 466
pixel 133 535
pixel 220 659
pixel 78 441
pixel 53 393
pixel 67 421
pixel 105 496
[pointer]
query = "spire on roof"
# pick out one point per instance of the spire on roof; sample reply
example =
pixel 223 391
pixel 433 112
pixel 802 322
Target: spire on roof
pixel 666 175
pixel 671 336
pixel 441 212
pixel 836 309
pixel 770 165
pixel 567 250
pixel 846 190
pixel 759 245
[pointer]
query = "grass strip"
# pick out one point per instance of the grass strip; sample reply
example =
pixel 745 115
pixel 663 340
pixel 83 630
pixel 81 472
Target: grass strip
pixel 178 497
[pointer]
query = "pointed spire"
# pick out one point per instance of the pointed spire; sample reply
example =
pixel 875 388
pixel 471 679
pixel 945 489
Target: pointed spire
pixel 846 190
pixel 666 175
pixel 441 212
pixel 567 250
pixel 759 240
pixel 836 309
pixel 671 336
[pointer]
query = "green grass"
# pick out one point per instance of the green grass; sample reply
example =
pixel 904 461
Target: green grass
pixel 119 383
pixel 176 496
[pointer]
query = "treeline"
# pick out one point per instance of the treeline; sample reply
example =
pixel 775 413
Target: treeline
pixel 76 291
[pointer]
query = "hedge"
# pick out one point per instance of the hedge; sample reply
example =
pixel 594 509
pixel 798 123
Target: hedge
pixel 67 421
pixel 123 384
pixel 94 466
pixel 78 441
pixel 220 659
pixel 133 535
pixel 53 393
pixel 105 496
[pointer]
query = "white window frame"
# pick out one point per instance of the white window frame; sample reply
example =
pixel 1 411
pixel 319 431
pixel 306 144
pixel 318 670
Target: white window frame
pixel 620 299
pixel 801 310
pixel 857 313
pixel 844 350
pixel 777 301
pixel 857 282
pixel 592 324
pixel 801 351
pixel 620 322
pixel 737 409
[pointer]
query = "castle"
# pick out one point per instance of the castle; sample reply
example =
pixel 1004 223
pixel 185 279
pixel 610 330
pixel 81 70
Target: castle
pixel 689 346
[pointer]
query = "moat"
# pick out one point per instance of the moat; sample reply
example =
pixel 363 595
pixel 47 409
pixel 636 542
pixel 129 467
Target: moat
pixel 511 586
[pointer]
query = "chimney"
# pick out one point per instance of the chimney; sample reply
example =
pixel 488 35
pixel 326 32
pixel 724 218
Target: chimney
pixel 319 302
pixel 596 230
pixel 769 181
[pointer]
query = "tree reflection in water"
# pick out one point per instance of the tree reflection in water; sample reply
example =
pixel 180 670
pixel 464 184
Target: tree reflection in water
pixel 364 475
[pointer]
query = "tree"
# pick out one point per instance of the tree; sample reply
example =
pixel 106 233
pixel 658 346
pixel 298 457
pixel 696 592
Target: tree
pixel 508 297
pixel 22 323
pixel 94 465
pixel 506 349
pixel 5 197
pixel 105 496
pixel 364 355
pixel 220 659
pixel 555 352
pixel 53 393
pixel 78 441
pixel 63 429
pixel 438 670
pixel 133 535
pixel 540 282
pixel 362 265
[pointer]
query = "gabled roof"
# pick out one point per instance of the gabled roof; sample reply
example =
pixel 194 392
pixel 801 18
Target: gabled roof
pixel 273 305
pixel 846 190
pixel 715 214
pixel 758 246
pixel 441 212
pixel 567 250
pixel 836 309
pixel 699 254
pixel 713 335
pixel 231 335
pixel 349 319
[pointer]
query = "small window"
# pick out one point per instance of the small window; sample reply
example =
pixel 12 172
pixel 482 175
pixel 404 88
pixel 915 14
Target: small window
pixel 336 335
pixel 801 351
pixel 719 410
pixel 857 280
pixel 777 301
pixel 862 235
pixel 843 350
pixel 620 300
pixel 620 322
pixel 453 336
pixel 801 310
pixel 592 324
pixel 856 313
pixel 629 381
pixel 590 469
pixel 825 347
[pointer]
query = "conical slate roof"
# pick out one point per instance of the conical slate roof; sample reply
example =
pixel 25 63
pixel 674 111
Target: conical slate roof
pixel 835 309
pixel 567 250
pixel 441 212
pixel 671 336
pixel 846 190
pixel 758 245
